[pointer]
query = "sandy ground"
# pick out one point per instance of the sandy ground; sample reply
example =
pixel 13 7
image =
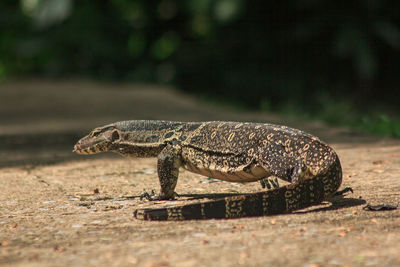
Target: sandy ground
pixel 51 215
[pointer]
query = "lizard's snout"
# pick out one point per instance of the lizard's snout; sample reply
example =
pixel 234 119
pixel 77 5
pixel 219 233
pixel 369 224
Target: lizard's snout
pixel 80 148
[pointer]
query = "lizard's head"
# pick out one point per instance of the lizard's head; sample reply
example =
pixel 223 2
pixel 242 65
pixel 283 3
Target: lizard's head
pixel 137 138
pixel 101 139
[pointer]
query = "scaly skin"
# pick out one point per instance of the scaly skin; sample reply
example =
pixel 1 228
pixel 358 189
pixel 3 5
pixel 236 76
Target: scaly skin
pixel 230 151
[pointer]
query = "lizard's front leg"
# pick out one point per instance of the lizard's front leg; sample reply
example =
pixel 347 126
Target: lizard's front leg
pixel 168 164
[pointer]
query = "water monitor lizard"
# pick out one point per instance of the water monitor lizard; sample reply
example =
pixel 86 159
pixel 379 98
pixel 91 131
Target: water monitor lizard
pixel 229 151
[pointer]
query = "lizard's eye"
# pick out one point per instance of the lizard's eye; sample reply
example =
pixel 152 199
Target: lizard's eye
pixel 115 135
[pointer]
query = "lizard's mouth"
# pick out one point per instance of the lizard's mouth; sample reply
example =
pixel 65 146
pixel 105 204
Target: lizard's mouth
pixel 83 147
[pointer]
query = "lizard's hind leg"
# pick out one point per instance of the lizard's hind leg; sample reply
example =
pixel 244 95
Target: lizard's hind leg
pixel 282 165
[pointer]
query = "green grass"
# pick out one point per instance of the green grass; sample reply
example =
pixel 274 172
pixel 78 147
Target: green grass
pixel 380 124
pixel 342 114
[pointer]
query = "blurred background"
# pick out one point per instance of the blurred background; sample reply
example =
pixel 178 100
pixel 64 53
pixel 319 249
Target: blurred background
pixel 335 61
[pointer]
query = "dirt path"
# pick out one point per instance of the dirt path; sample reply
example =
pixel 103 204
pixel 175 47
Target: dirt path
pixel 50 215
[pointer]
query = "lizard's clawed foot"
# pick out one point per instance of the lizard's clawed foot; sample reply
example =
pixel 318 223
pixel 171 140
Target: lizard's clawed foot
pixel 269 182
pixel 148 196
pixel 343 191
pixel 154 197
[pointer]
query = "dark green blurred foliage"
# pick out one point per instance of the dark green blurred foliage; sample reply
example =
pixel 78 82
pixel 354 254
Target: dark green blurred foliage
pixel 380 124
pixel 323 57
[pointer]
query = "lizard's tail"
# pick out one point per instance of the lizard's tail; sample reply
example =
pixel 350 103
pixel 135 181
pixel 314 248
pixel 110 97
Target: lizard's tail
pixel 299 195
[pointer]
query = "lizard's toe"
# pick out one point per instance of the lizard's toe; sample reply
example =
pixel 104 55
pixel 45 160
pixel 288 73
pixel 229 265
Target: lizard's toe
pixel 269 182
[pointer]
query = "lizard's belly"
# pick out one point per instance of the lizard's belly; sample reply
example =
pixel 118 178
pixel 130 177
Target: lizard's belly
pixel 249 173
